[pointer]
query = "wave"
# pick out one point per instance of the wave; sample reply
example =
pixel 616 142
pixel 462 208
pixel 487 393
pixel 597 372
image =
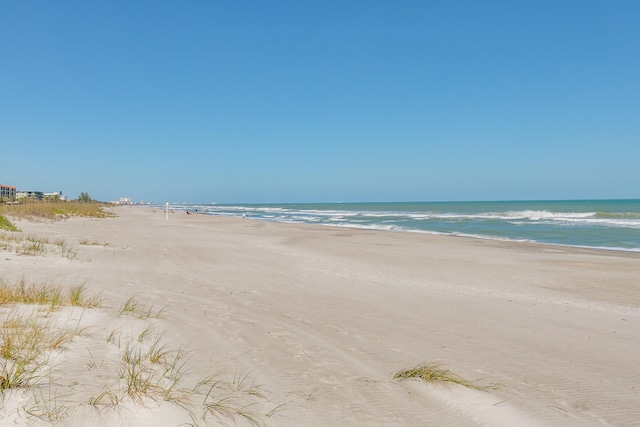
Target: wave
pixel 630 220
pixel 537 215
pixel 518 217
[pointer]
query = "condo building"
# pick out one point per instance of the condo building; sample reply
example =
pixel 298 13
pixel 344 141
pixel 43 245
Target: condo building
pixel 7 192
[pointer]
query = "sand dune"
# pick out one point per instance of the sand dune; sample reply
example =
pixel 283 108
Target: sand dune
pixel 319 320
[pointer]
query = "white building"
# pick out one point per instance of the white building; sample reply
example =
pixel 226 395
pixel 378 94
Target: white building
pixel 124 201
pixel 56 194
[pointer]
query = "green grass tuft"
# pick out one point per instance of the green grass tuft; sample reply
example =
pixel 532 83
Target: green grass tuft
pixel 433 373
pixel 5 224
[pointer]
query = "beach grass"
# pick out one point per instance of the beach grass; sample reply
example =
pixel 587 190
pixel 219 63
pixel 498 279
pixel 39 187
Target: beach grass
pixel 7 225
pixel 25 339
pixel 46 407
pixel 22 339
pixel 31 245
pixel 22 292
pixel 55 210
pixel 26 344
pixel 12 240
pixel 132 307
pixel 231 399
pixel 37 246
pixel 86 242
pixel 135 364
pixel 435 374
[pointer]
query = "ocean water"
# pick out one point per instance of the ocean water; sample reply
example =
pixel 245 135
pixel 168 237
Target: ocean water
pixel 604 224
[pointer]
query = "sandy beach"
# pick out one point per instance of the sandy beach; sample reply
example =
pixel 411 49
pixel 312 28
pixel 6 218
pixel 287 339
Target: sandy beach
pixel 319 319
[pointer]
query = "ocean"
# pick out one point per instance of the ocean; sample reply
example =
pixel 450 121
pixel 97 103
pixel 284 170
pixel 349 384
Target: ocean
pixel 603 224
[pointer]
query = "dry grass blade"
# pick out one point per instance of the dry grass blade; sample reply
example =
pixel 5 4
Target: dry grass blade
pixel 107 398
pixel 86 242
pixel 230 399
pixel 132 308
pixel 46 408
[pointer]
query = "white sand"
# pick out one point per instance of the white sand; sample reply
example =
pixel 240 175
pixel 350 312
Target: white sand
pixel 320 319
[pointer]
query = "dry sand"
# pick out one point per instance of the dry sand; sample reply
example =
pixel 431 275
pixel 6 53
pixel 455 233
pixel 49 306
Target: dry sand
pixel 320 319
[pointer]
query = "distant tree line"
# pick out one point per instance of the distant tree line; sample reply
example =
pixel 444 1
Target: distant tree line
pixel 83 197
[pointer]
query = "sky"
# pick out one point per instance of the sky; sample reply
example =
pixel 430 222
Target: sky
pixel 321 101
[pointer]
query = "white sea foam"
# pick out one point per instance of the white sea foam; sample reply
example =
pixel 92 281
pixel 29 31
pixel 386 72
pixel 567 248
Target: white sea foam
pixel 530 216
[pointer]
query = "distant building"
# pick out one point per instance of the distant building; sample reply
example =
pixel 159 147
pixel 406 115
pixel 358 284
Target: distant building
pixel 7 192
pixel 56 195
pixel 32 194
pixel 124 201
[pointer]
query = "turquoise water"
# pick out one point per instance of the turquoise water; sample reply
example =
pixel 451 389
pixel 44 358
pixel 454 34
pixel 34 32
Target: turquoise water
pixel 608 224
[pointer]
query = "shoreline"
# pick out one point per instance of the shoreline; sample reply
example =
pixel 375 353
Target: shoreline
pixel 534 221
pixel 323 317
pixel 464 236
pixel 616 250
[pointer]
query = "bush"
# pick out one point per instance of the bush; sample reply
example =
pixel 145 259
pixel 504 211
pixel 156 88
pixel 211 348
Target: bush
pixel 85 198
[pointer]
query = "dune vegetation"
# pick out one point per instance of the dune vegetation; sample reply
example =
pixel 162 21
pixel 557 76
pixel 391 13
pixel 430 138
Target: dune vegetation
pixel 54 210
pixel 11 238
pixel 7 225
pixel 435 374
pixel 65 353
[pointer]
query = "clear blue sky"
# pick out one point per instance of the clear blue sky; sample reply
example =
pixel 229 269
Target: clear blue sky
pixel 303 101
